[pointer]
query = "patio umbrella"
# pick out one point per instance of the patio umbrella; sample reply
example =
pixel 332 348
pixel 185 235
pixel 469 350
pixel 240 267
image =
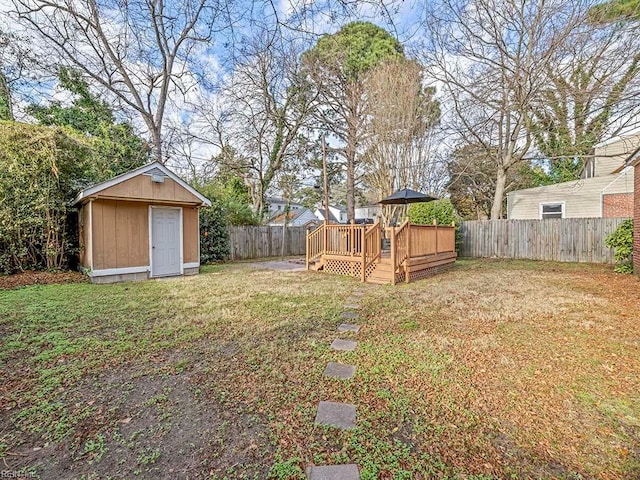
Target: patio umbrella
pixel 405 196
pixel 402 198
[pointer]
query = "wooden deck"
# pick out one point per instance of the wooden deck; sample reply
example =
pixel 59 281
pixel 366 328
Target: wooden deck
pixel 415 251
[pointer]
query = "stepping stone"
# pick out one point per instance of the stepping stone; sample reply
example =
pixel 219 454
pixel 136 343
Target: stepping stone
pixel 334 414
pixel 358 294
pixel 339 370
pixel 334 472
pixel 348 327
pixel 350 315
pixel 344 345
pixel 353 300
pixel 352 306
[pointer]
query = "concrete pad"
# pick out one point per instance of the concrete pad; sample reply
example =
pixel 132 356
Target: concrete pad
pixel 334 414
pixel 348 327
pixel 352 306
pixel 339 370
pixel 349 315
pixel 282 266
pixel 344 345
pixel 334 472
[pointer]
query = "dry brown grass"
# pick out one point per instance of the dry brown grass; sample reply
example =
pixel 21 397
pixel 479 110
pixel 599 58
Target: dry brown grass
pixel 549 357
pixel 493 370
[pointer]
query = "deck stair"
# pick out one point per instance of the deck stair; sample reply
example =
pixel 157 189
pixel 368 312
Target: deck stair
pixel 416 251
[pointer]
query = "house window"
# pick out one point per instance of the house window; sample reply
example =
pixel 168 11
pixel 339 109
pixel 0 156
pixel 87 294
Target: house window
pixel 551 210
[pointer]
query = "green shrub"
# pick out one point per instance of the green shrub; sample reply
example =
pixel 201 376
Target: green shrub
pixel 214 238
pixel 41 169
pixel 621 239
pixel 442 211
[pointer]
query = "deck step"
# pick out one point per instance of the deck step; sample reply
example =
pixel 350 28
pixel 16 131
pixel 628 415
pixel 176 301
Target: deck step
pixel 317 266
pixel 378 280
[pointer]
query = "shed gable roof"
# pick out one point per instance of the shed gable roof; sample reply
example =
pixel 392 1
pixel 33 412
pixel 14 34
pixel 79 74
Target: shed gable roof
pixel 155 168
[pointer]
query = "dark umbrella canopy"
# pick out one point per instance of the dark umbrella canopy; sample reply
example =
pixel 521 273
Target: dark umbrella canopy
pixel 406 195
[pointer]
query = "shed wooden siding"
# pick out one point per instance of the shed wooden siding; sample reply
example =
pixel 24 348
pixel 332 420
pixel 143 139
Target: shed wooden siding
pixel 191 234
pixel 582 198
pixel 84 220
pixel 141 188
pixel 120 234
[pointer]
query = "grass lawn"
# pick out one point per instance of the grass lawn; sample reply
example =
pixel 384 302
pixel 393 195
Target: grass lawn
pixel 493 370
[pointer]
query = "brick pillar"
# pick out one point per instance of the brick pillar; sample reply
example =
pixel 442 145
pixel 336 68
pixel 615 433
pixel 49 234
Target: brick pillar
pixel 636 219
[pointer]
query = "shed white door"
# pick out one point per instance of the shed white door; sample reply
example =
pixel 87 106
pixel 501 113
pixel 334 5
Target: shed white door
pixel 165 242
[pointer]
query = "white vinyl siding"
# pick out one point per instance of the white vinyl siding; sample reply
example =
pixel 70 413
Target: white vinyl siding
pixel 611 156
pixel 582 198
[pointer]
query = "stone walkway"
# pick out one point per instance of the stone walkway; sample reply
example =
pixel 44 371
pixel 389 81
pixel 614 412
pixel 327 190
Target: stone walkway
pixel 335 414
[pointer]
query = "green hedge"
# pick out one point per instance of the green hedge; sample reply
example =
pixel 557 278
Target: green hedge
pixel 621 239
pixel 41 168
pixel 214 237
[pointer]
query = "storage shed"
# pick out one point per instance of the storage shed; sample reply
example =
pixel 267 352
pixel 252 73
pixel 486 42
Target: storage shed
pixel 141 224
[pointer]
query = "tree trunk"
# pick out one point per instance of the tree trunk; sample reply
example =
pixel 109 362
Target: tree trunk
pixel 350 153
pixel 351 185
pixel 156 139
pixel 6 106
pixel 498 197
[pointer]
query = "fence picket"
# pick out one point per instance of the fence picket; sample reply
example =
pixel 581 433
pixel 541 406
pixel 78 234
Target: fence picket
pixel 564 240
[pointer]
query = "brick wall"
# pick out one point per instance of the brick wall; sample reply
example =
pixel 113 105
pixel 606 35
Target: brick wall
pixel 636 221
pixel 617 205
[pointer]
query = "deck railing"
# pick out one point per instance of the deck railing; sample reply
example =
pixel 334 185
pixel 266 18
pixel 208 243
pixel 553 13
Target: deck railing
pixel 400 246
pixel 431 240
pixel 315 244
pixel 344 240
pixel 372 242
pixel 362 244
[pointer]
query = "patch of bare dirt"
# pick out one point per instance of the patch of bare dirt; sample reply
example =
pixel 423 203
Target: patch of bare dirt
pixel 153 424
pixel 27 278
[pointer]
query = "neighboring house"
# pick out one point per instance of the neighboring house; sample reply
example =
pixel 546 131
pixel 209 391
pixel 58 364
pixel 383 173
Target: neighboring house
pixel 634 162
pixel 606 189
pixel 279 205
pixel 301 217
pixel 368 212
pixel 336 214
pixel 138 225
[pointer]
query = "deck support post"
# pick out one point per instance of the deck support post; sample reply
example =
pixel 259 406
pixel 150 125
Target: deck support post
pixel 363 248
pixel 393 255
pixel 408 245
pixel 435 224
pixel 325 239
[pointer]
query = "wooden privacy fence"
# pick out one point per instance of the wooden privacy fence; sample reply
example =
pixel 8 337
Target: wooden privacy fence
pixel 256 241
pixel 563 240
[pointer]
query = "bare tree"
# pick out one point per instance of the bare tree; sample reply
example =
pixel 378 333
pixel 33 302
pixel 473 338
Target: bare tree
pixel 588 95
pixel 263 113
pixel 138 50
pixel 401 115
pixel 490 56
